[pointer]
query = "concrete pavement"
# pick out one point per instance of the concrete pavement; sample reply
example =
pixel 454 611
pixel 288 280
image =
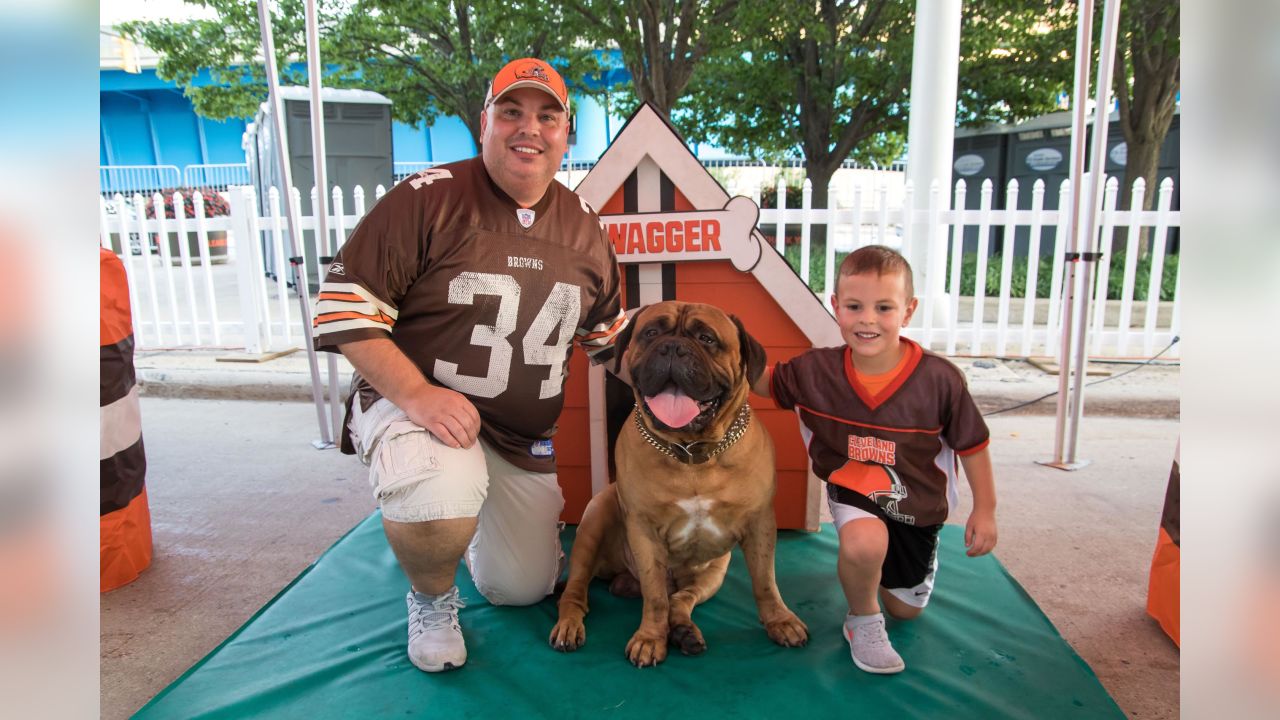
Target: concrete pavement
pixel 1148 391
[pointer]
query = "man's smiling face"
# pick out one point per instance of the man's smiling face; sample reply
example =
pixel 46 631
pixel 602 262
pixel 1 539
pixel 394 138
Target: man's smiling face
pixel 524 136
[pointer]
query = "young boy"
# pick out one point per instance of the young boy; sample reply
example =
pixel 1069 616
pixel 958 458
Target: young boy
pixel 884 421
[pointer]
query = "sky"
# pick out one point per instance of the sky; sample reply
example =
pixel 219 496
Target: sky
pixel 111 12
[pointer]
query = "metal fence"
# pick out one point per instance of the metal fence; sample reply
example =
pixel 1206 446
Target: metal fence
pixel 217 176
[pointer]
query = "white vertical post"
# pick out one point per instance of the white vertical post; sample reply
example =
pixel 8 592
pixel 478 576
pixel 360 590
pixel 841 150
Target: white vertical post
pixel 278 259
pixel 1130 263
pixel 935 228
pixel 286 175
pixel 206 261
pixel 957 255
pixel 1104 264
pixel 806 223
pixel 1033 264
pixel 980 269
pixel 1070 217
pixel 1088 214
pixel 166 259
pixel 780 234
pixel 935 66
pixel 184 252
pixel 1061 242
pixel 124 214
pixel 1158 238
pixel 243 211
pixel 1006 266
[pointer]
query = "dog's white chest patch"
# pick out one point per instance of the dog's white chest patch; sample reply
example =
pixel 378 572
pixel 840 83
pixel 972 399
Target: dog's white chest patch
pixel 699 512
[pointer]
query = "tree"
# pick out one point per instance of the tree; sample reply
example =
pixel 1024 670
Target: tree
pixel 661 41
pixel 824 78
pixel 429 57
pixel 1147 74
pixel 831 78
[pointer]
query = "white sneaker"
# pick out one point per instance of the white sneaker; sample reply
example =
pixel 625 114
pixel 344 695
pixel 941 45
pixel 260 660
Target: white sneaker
pixel 435 637
pixel 869 645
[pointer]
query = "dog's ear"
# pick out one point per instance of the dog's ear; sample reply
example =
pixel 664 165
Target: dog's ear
pixel 753 354
pixel 624 338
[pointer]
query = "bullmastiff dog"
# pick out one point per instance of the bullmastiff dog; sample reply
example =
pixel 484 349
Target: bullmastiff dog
pixel 695 476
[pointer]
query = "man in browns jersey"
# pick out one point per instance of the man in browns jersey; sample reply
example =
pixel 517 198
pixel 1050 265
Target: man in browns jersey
pixel 884 421
pixel 458 299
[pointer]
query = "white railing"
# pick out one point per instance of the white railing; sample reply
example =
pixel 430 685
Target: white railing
pixel 180 299
pixel 130 179
pixel 219 176
pixel 402 170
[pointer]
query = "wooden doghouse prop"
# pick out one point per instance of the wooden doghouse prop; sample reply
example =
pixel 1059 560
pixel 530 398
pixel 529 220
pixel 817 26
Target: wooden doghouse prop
pixel 679 236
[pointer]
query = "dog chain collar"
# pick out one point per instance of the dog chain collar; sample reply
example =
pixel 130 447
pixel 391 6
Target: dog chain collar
pixel 684 453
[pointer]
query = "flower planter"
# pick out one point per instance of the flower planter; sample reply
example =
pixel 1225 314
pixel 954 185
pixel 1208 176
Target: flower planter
pixel 217 247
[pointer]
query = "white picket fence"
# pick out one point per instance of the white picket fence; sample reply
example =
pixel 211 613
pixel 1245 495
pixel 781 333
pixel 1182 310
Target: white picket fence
pixel 248 302
pixel 1136 325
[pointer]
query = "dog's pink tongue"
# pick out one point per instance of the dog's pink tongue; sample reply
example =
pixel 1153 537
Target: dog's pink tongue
pixel 672 407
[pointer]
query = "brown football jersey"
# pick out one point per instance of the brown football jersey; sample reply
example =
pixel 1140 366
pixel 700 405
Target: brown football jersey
pixel 485 297
pixel 898 447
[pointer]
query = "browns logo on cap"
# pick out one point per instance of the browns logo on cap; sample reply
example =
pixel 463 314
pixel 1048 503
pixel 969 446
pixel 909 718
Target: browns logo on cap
pixel 528 72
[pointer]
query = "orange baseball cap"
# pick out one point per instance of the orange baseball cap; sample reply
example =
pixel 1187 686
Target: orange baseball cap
pixel 528 72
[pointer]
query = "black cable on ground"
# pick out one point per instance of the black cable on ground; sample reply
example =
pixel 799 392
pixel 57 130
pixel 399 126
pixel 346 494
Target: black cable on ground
pixel 1144 363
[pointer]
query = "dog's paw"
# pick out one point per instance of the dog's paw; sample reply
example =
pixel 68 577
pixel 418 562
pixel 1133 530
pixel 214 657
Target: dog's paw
pixel 788 631
pixel 644 650
pixel 568 635
pixel 688 638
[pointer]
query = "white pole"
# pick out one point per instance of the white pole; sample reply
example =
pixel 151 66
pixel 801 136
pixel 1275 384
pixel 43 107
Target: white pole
pixel 1079 100
pixel 291 214
pixel 1090 206
pixel 316 83
pixel 935 67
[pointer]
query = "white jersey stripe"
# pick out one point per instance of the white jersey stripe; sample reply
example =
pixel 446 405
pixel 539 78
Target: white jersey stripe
pixel 346 287
pixel 354 324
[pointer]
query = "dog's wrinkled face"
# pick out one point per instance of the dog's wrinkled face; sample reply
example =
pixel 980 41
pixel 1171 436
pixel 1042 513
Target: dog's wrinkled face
pixel 691 366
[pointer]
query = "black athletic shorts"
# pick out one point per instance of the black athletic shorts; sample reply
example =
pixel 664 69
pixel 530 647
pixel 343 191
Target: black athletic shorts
pixel 911 559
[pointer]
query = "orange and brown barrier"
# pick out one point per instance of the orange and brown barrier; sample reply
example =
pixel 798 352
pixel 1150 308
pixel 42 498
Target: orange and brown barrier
pixel 125 521
pixel 1162 594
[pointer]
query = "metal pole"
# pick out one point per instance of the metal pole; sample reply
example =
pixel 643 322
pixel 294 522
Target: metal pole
pixel 292 216
pixel 315 81
pixel 1079 100
pixel 1088 232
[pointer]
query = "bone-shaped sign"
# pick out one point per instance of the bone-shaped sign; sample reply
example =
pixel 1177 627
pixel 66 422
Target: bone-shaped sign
pixel 684 236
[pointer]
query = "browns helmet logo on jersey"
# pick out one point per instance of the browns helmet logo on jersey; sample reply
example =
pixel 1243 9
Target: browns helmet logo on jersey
pixel 880 483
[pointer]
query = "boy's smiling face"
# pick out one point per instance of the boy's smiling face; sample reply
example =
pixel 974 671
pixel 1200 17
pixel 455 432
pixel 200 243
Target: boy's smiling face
pixel 871 310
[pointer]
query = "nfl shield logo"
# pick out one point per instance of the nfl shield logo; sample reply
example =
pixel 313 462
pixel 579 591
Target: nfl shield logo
pixel 525 216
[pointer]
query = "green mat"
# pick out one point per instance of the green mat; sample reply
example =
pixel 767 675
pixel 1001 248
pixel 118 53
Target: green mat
pixel 332 645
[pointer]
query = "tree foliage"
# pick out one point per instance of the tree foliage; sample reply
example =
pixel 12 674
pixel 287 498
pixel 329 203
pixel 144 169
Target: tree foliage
pixel 229 49
pixel 661 42
pixel 831 78
pixel 429 57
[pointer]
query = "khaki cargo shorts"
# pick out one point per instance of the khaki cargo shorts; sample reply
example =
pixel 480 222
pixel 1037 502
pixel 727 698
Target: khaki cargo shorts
pixel 515 556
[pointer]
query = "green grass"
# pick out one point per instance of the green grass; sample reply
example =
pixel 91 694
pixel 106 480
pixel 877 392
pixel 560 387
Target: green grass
pixel 1018 280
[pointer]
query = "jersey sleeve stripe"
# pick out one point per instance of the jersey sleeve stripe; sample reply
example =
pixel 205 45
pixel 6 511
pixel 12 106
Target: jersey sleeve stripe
pixel 326 318
pixel 976 448
pixel 601 334
pixel 338 326
pixel 351 292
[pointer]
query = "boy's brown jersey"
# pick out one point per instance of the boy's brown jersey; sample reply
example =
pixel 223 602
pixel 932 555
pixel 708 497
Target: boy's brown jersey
pixel 483 296
pixel 897 448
